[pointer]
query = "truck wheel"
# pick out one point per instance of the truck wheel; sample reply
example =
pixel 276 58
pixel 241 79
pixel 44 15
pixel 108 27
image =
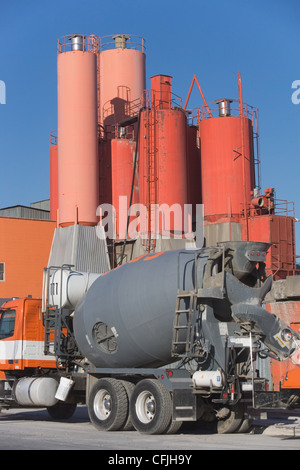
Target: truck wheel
pixel 108 405
pixel 246 424
pixel 62 410
pixel 233 419
pixel 245 427
pixel 174 427
pixel 151 407
pixel 129 387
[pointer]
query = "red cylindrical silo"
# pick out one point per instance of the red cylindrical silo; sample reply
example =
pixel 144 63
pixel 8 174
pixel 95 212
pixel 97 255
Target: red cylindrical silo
pixel 227 165
pixel 162 165
pixel 123 184
pixel 121 85
pixel 78 164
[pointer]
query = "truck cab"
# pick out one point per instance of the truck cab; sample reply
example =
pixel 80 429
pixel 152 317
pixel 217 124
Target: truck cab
pixel 22 337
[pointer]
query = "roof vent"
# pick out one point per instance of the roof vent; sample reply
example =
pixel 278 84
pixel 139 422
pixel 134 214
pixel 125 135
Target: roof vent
pixel 120 41
pixel 76 42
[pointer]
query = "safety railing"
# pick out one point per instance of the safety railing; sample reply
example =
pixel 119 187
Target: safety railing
pixel 269 206
pixel 77 42
pixel 130 109
pixel 283 207
pixel 149 98
pixel 94 43
pixel 230 108
pixel 121 41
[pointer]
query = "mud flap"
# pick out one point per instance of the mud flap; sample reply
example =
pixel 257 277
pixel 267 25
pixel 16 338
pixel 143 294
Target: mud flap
pixel 184 405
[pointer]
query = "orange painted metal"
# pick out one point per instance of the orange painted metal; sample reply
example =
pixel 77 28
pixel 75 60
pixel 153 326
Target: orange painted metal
pixel 226 165
pixel 162 161
pixel 122 167
pixel 286 374
pixel 25 244
pixel 121 85
pixel 279 231
pixel 78 164
pixel 161 91
pixel 121 76
pixel 195 79
pixel 28 337
pixel 240 94
pixel 53 176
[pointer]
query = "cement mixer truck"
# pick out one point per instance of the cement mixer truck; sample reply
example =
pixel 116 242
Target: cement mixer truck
pixel 166 338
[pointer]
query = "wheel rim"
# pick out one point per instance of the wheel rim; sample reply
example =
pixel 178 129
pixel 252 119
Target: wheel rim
pixel 145 406
pixel 102 404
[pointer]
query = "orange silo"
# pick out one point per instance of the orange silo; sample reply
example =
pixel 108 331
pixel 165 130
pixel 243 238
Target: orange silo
pixel 78 165
pixel 227 163
pixel 162 159
pixel 124 182
pixel 121 76
pixel 121 86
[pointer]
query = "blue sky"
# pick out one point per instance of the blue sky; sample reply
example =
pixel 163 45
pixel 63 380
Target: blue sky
pixel 213 39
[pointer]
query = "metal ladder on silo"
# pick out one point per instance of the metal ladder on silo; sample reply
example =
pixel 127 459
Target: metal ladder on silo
pixel 151 175
pixel 183 322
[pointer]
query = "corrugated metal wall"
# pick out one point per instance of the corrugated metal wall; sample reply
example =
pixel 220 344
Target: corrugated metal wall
pixel 24 212
pixel 79 246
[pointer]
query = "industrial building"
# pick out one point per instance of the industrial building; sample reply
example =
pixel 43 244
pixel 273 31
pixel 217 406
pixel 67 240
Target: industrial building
pixel 25 242
pixel 115 139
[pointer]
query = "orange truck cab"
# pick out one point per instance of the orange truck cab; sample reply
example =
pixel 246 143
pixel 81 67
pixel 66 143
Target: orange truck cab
pixel 28 376
pixel 22 337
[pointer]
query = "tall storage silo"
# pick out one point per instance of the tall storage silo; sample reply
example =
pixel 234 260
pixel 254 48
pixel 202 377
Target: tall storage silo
pixel 227 163
pixel 121 86
pixel 78 166
pixel 121 75
pixel 162 159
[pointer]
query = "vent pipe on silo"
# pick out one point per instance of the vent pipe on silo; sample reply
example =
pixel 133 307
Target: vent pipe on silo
pixel 120 41
pixel 76 42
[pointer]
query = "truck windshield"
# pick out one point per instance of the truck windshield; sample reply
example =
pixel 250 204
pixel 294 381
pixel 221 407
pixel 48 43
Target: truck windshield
pixel 7 323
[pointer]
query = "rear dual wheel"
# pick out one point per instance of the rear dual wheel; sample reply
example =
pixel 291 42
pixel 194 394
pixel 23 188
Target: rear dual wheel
pixel 151 408
pixel 108 405
pixel 119 405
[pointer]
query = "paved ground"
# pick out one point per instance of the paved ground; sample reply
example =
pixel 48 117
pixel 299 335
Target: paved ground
pixel 34 430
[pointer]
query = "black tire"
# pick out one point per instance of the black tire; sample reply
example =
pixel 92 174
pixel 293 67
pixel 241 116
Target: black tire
pixel 233 420
pixel 108 405
pixel 245 427
pixel 151 407
pixel 246 424
pixel 62 410
pixel 129 387
pixel 174 427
